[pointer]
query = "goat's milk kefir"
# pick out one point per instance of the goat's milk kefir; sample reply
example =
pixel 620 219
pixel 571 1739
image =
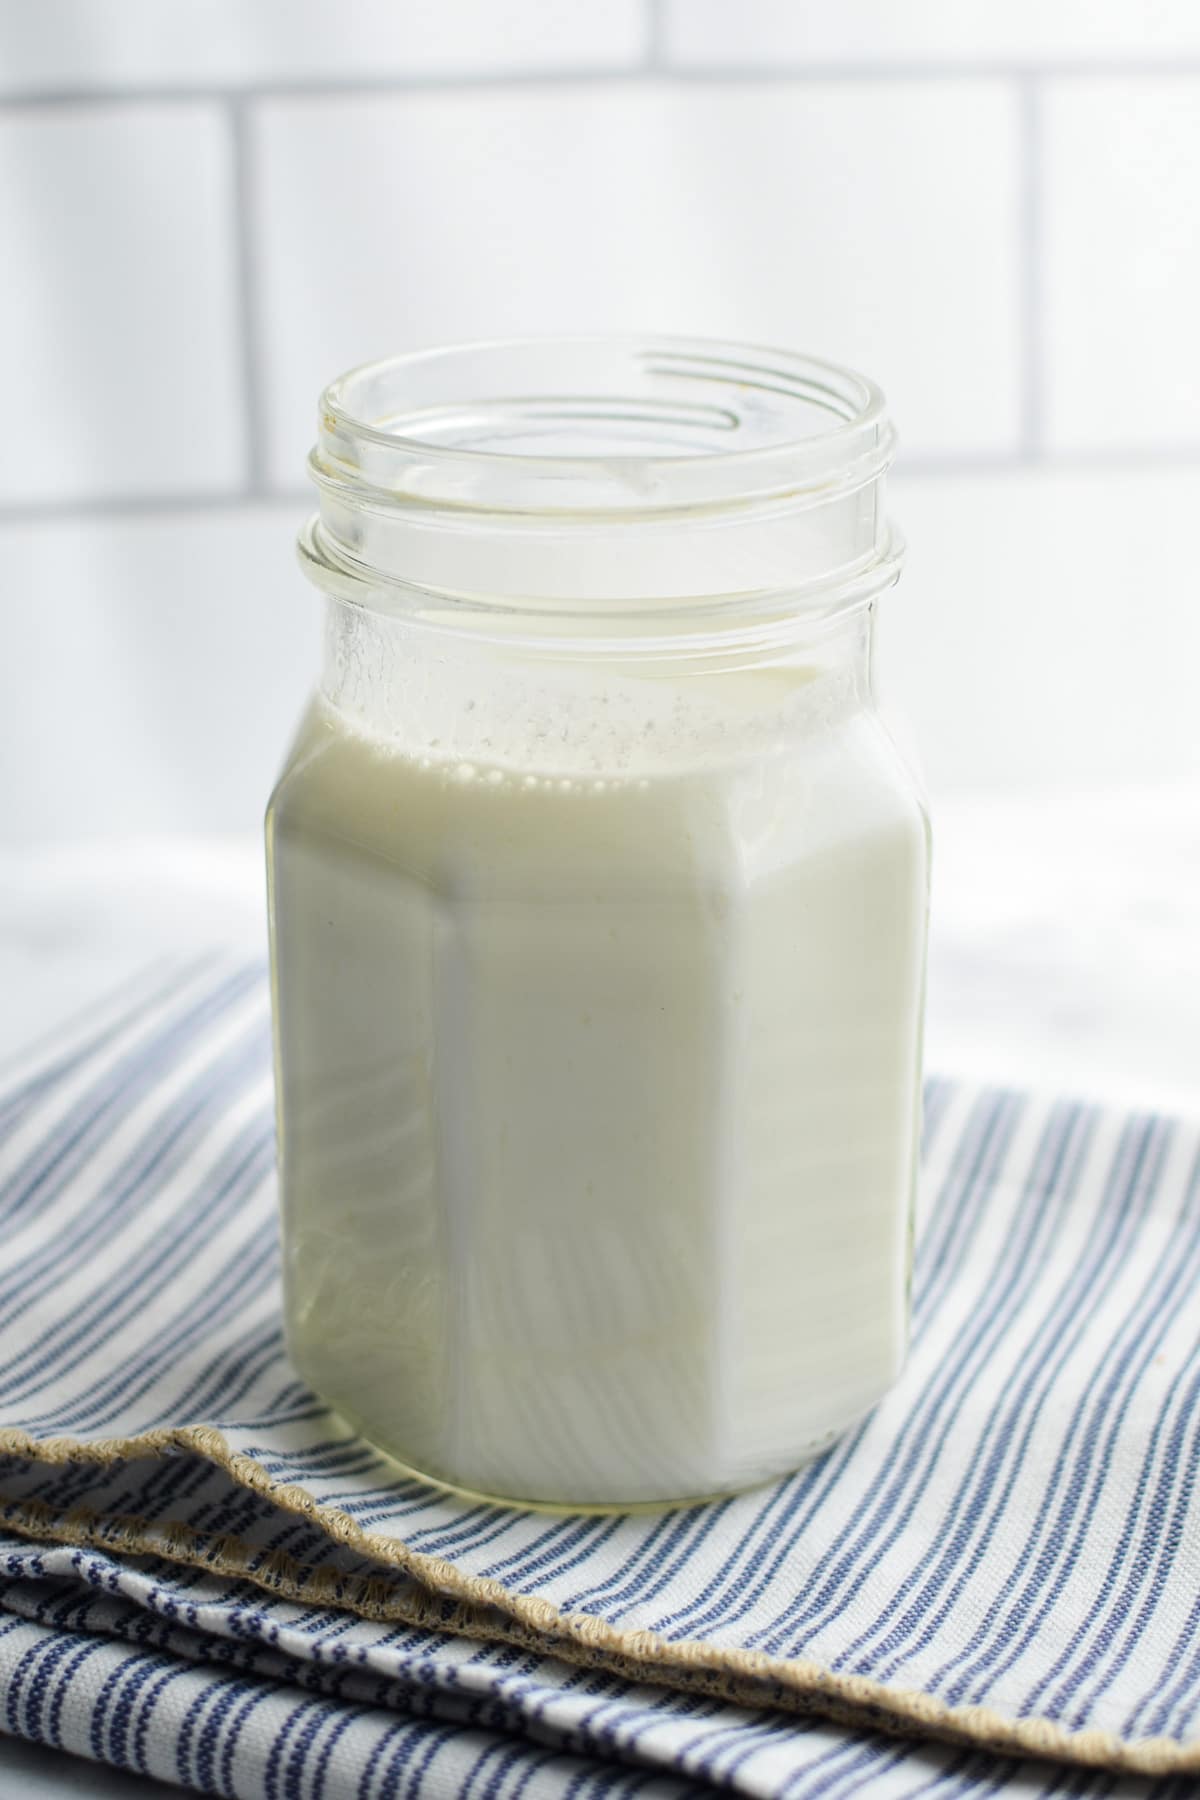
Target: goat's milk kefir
pixel 598 898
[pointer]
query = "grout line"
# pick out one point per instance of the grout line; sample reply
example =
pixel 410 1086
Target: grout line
pixel 934 465
pixel 1150 459
pixel 351 87
pixel 144 506
pixel 1101 458
pixel 920 466
pixel 246 296
pixel 964 69
pixel 655 35
pixel 160 93
pixel 1031 269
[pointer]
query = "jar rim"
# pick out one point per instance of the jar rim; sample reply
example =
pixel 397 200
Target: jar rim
pixel 667 424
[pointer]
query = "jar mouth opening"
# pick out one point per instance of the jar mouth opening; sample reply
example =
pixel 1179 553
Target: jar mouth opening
pixel 595 427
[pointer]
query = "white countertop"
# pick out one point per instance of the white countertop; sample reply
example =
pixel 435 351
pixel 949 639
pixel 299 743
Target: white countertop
pixel 1065 941
pixel 1064 954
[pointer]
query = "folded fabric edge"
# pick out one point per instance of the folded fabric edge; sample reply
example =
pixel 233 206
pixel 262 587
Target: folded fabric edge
pixel 433 1718
pixel 486 1610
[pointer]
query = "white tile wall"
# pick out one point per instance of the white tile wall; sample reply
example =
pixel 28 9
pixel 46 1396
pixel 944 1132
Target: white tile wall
pixel 1046 629
pixel 829 218
pixel 93 44
pixel 153 682
pixel 1122 263
pixel 208 208
pixel 118 330
pixel 759 33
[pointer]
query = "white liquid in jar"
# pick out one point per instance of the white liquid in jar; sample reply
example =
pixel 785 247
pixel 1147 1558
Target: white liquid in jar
pixel 598 1099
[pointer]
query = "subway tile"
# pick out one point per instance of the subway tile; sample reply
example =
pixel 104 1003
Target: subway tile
pixel 162 697
pixel 711 34
pixel 94 44
pixel 873 226
pixel 1041 634
pixel 1121 249
pixel 118 345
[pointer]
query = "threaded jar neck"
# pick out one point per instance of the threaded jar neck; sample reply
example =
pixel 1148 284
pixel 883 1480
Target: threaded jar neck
pixel 634 477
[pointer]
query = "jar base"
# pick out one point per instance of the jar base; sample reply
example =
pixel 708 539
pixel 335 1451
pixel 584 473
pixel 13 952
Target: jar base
pixel 593 1508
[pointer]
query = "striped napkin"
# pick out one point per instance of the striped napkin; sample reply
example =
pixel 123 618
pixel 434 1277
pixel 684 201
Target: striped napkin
pixel 992 1586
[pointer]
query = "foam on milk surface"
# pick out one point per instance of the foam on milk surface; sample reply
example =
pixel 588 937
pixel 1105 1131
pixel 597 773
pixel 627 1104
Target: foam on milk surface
pixel 596 1080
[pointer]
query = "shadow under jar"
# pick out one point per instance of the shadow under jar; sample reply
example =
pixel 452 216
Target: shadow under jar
pixel 598 914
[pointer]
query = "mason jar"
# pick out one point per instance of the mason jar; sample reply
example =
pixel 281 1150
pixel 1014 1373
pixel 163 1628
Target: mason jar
pixel 598 912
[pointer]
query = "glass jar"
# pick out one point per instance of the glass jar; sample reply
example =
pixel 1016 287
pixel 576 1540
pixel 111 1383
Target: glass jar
pixel 598 911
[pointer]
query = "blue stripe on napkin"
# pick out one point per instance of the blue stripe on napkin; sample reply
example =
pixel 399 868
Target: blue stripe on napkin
pixel 1007 1552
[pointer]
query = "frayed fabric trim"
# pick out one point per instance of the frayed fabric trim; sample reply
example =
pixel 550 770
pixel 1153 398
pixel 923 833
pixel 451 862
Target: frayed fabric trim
pixel 441 1597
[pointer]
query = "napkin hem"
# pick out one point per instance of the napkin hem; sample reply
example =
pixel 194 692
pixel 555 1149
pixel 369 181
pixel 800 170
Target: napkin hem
pixel 487 1610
